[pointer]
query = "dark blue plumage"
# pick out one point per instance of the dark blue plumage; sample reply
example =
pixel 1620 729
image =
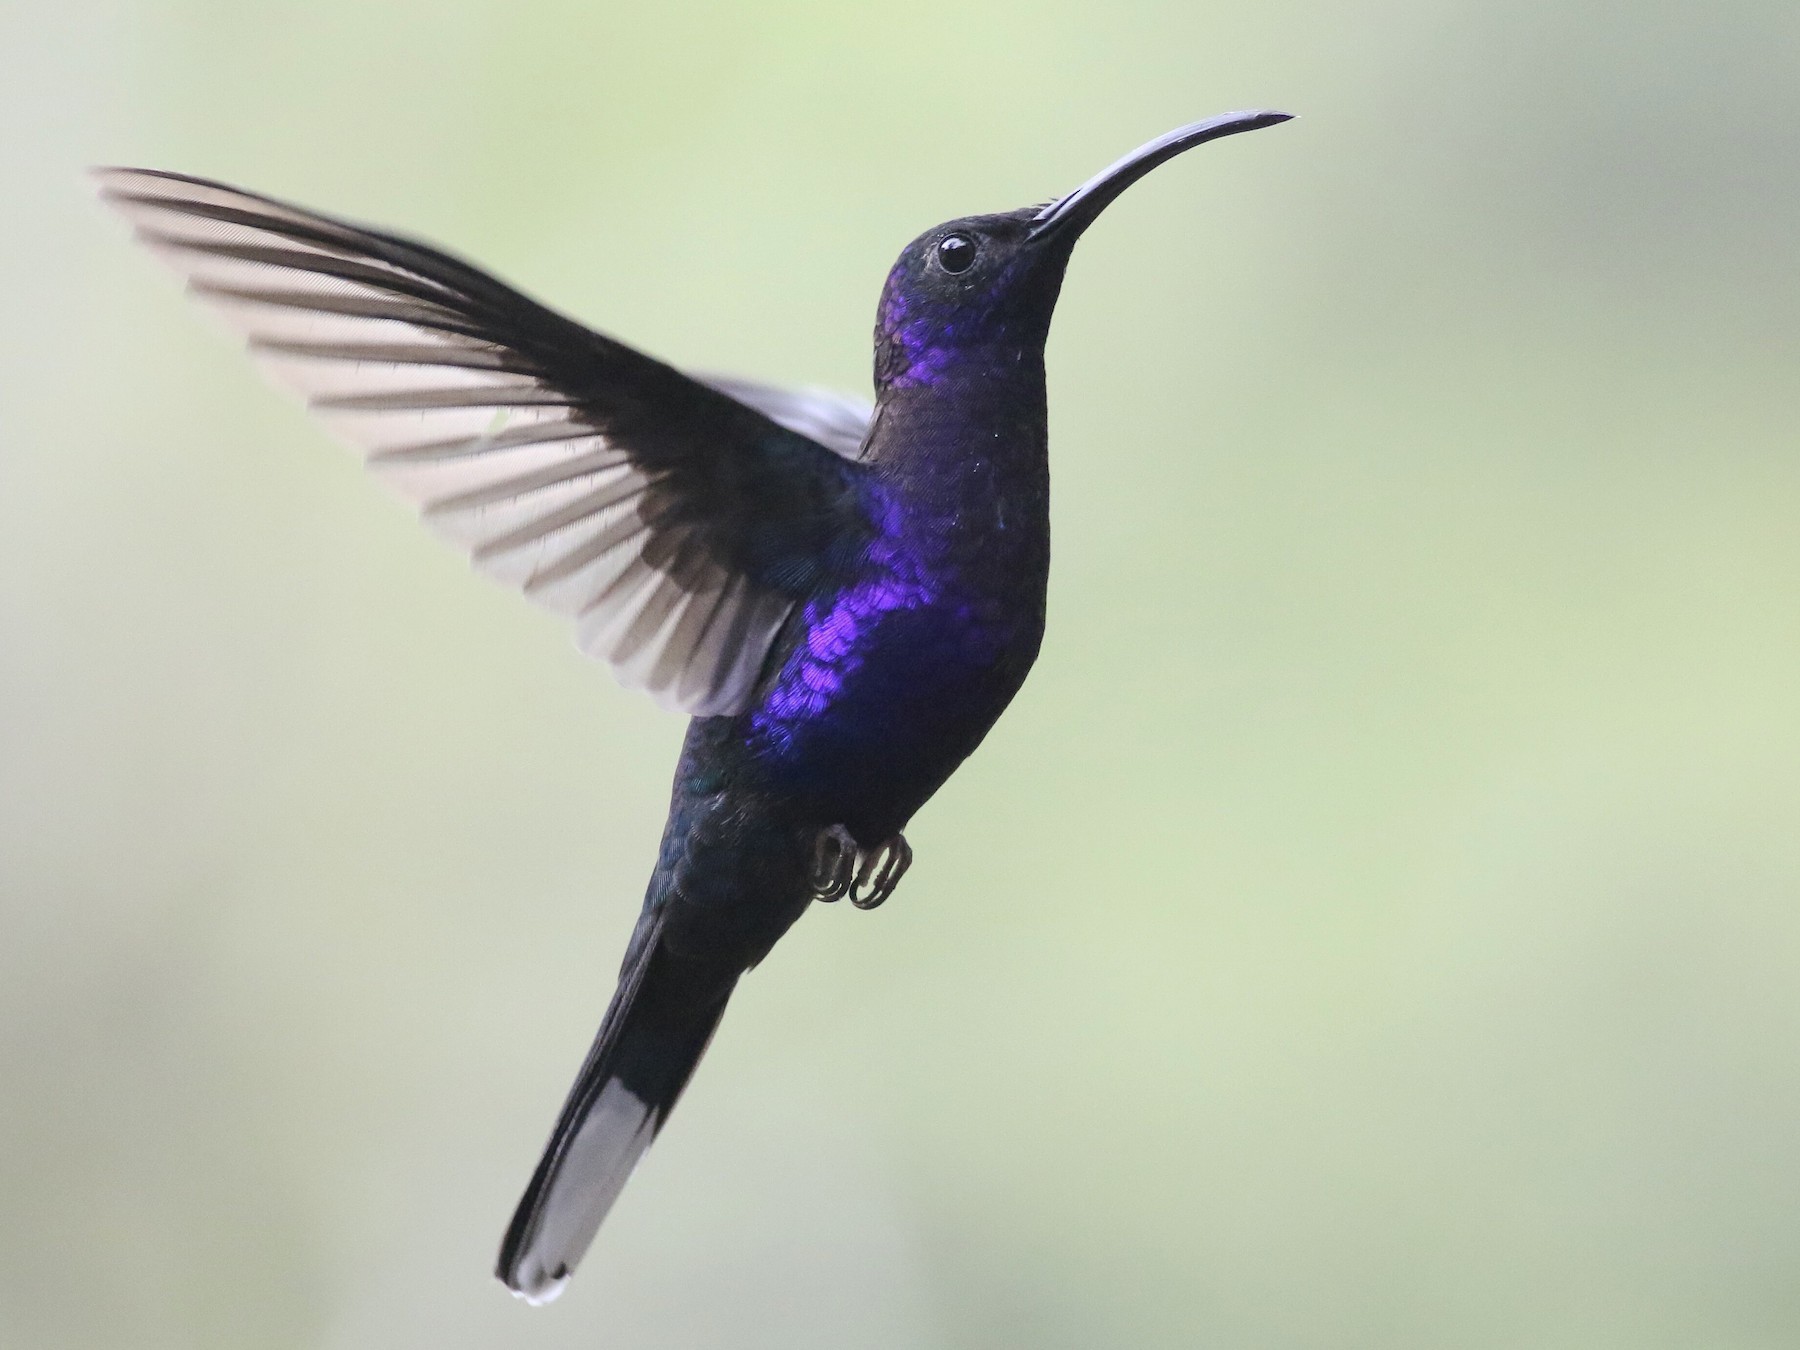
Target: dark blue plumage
pixel 846 602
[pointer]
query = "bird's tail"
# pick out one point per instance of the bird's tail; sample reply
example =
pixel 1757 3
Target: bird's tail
pixel 664 1013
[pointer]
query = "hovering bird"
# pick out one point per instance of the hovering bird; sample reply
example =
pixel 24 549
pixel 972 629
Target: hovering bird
pixel 844 599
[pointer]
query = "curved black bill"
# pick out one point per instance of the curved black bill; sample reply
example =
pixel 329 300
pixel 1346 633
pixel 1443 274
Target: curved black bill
pixel 1072 214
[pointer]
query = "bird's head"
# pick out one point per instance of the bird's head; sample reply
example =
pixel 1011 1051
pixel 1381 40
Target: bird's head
pixel 989 283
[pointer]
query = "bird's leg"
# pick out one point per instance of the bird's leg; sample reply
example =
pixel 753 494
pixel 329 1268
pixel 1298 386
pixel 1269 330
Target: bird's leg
pixel 880 872
pixel 834 864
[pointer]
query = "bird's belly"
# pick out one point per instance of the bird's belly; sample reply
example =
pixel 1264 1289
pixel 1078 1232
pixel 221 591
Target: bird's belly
pixel 877 703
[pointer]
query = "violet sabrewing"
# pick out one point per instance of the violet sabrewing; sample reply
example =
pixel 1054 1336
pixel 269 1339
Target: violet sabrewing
pixel 844 598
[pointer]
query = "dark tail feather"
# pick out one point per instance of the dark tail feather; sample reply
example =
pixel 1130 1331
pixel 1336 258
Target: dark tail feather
pixel 661 1018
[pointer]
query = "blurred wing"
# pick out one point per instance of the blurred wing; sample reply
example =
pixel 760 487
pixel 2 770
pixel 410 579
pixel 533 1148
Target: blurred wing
pixel 676 521
pixel 836 421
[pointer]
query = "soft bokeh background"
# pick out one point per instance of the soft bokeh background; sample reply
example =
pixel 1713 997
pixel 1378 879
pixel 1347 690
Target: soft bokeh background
pixel 1377 924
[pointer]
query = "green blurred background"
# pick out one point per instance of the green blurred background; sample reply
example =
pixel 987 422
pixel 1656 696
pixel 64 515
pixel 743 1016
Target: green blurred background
pixel 1377 924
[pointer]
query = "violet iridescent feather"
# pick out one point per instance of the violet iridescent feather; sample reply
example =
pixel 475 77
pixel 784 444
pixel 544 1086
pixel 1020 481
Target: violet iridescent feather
pixel 925 348
pixel 836 630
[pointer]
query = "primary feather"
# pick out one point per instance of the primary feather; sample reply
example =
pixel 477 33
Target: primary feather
pixel 564 463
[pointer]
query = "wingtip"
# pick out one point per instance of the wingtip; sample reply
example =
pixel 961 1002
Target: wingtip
pixel 105 173
pixel 103 177
pixel 122 179
pixel 116 182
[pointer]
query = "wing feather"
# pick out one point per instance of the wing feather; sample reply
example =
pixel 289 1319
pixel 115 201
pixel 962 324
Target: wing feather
pixel 566 464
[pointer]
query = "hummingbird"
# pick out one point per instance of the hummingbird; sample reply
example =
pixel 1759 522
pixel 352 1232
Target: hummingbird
pixel 842 597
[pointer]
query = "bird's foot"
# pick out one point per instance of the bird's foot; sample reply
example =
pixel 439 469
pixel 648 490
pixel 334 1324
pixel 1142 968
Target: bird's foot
pixel 834 864
pixel 840 868
pixel 880 872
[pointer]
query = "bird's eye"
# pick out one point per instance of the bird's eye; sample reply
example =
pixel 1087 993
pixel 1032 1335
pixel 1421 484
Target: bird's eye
pixel 955 252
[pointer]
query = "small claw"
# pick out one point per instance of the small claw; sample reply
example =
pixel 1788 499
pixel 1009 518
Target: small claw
pixel 881 872
pixel 834 862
